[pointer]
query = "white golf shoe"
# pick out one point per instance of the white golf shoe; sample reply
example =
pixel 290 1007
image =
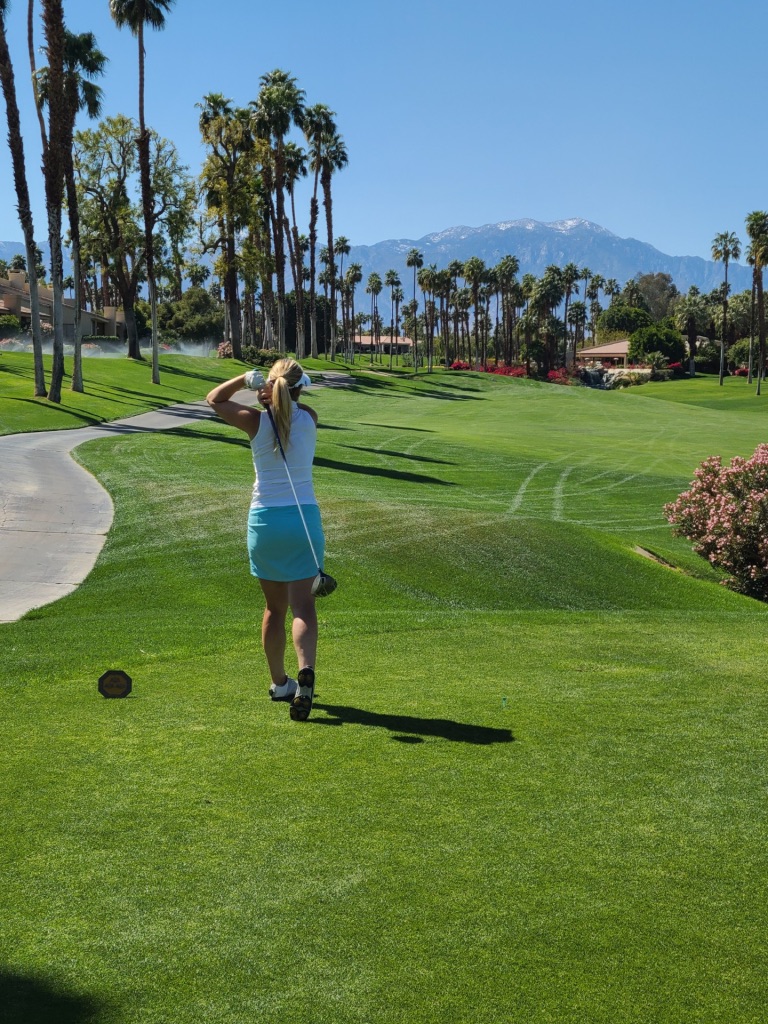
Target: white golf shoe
pixel 287 691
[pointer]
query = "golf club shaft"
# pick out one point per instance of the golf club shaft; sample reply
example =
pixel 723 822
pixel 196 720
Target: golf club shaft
pixel 293 489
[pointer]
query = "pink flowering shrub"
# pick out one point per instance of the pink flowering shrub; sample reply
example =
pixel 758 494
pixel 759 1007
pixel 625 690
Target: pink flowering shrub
pixel 459 364
pixel 725 514
pixel 741 371
pixel 224 350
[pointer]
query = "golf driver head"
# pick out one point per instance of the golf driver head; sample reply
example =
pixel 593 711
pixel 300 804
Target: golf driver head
pixel 323 585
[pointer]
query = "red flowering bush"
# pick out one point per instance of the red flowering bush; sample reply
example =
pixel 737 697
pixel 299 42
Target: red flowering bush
pixel 741 371
pixel 560 376
pixel 677 369
pixel 725 514
pixel 458 364
pixel 505 371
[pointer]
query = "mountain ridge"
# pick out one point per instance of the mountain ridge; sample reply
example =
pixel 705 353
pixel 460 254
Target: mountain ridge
pixel 537 244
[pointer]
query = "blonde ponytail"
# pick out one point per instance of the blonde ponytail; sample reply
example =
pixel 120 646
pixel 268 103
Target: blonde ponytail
pixel 285 376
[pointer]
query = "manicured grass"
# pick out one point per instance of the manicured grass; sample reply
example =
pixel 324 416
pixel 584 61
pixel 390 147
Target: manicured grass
pixel 533 786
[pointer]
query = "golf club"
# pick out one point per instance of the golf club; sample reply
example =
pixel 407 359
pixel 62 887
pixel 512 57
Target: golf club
pixel 323 584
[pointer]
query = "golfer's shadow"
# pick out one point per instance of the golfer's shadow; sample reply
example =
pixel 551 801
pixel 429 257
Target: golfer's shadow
pixel 29 999
pixel 414 728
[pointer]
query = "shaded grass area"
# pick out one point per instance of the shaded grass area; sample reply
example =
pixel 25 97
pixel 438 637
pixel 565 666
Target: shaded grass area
pixel 533 785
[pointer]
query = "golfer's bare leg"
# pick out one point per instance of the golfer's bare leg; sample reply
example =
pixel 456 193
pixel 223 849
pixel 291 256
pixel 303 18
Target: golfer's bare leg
pixel 273 627
pixel 304 627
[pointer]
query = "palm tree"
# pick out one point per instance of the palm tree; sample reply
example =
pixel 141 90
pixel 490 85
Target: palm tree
pixel 397 295
pixel 506 271
pixel 726 247
pixel 612 290
pixel 295 168
pixel 341 248
pixel 473 272
pixel 352 279
pixel 333 157
pixel 570 275
pixel 318 125
pixel 135 14
pixel 82 61
pixel 547 296
pixel 53 168
pixel 415 259
pixel 757 229
pixel 373 288
pixel 279 105
pixel 16 143
pixel 232 194
pixel 391 281
pixel 692 315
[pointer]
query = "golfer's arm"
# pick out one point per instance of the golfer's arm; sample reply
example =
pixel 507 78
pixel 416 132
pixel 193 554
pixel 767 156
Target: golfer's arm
pixel 220 400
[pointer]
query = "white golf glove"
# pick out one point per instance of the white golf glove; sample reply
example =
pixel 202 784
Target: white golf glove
pixel 254 380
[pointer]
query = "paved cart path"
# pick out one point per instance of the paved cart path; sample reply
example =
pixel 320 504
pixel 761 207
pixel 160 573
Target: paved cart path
pixel 55 516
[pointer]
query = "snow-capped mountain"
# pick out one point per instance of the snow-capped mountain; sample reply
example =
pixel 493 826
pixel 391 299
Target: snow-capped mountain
pixel 537 245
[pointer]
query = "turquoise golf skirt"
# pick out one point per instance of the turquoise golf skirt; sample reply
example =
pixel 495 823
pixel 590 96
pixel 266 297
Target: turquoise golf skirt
pixel 277 543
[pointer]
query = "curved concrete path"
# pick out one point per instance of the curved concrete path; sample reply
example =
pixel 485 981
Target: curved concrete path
pixel 55 516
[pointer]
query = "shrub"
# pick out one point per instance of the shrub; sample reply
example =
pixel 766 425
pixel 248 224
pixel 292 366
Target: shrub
pixel 656 339
pixel 458 364
pixel 10 325
pixel 708 357
pixel 260 356
pixel 224 350
pixel 738 353
pixel 503 371
pixel 725 514
pixel 559 376
pixel 677 369
pixel 622 318
pixel 741 371
pixel 614 379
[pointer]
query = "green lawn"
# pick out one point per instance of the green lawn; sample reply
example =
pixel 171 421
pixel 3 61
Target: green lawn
pixel 533 787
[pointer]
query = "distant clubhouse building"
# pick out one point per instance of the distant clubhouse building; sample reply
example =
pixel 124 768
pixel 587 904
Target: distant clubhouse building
pixel 14 300
pixel 614 351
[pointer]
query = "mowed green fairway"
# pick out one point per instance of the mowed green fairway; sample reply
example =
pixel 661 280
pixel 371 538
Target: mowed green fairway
pixel 534 785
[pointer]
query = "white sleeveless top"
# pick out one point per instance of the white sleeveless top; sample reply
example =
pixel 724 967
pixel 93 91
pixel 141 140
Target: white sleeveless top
pixel 271 487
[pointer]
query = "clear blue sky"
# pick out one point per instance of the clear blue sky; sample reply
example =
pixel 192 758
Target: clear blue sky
pixel 647 119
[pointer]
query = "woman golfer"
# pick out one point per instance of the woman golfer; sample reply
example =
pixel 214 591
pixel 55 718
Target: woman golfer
pixel 279 551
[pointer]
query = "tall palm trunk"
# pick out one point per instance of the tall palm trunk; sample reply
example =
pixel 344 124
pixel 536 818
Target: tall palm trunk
pixel 751 327
pixel 297 266
pixel 314 211
pixel 328 204
pixel 53 165
pixel 146 202
pixel 74 234
pixel 725 319
pixel 16 144
pixel 760 327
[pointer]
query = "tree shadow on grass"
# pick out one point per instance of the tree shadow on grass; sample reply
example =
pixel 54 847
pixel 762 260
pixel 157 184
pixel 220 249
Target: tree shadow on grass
pixel 26 999
pixel 91 421
pixel 392 426
pixel 397 455
pixel 392 474
pixel 415 729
